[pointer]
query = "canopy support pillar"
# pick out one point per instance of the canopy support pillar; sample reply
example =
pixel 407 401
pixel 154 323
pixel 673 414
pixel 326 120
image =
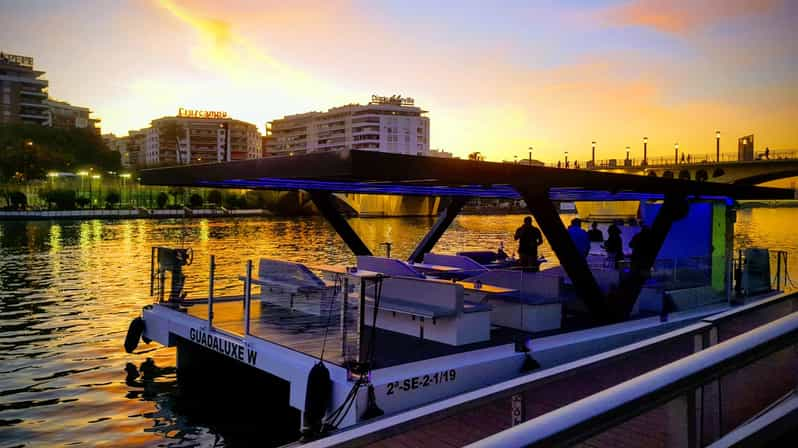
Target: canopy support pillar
pixel 674 208
pixel 325 202
pixel 571 260
pixel 443 222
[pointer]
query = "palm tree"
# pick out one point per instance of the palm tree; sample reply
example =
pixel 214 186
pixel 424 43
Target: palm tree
pixel 476 156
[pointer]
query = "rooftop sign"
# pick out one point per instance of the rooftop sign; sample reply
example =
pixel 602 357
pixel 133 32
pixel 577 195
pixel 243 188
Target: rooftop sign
pixel 396 100
pixel 16 59
pixel 191 113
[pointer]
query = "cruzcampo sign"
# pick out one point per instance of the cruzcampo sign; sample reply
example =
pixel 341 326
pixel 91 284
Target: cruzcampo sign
pixel 192 113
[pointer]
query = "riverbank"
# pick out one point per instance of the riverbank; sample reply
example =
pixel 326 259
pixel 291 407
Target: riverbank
pixel 140 213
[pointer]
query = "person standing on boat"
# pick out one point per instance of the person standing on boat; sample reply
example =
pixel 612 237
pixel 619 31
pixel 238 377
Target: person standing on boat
pixel 580 237
pixel 595 234
pixel 614 244
pixel 529 238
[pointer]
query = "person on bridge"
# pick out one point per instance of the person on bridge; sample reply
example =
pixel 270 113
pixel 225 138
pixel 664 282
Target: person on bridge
pixel 529 238
pixel 579 236
pixel 595 234
pixel 767 153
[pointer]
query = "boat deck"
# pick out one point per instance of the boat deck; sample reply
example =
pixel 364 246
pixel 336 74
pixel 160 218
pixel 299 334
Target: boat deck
pixel 305 333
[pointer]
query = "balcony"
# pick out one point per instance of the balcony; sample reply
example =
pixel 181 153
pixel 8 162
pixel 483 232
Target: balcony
pixel 35 93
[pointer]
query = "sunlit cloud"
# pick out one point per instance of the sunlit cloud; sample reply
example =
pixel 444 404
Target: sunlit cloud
pixel 680 16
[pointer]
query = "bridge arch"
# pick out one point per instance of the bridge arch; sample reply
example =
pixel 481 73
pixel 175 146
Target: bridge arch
pixel 718 172
pixel 667 174
pixel 684 174
pixel 701 176
pixel 766 177
pixel 652 174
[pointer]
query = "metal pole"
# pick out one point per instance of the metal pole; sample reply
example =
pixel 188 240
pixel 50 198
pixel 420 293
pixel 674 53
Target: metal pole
pixel 152 271
pixel 344 306
pixel 210 292
pixel 361 317
pixel 247 297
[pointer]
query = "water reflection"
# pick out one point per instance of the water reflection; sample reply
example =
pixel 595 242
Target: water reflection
pixel 69 289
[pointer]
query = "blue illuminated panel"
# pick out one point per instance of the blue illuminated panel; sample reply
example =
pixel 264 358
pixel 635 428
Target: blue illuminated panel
pixel 476 191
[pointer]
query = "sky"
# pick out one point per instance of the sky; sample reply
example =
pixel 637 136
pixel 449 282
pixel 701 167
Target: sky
pixel 495 77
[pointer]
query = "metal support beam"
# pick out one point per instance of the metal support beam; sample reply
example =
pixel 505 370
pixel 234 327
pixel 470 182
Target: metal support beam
pixel 674 208
pixel 571 260
pixel 325 202
pixel 443 222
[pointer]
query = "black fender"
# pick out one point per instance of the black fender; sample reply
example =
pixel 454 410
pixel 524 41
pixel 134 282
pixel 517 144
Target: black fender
pixel 134 332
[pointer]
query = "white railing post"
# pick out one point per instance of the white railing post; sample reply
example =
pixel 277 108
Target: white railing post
pixel 247 297
pixel 211 272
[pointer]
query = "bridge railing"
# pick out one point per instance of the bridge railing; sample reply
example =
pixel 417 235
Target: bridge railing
pixel 685 159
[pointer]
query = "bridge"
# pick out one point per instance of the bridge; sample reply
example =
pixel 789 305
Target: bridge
pixel 776 165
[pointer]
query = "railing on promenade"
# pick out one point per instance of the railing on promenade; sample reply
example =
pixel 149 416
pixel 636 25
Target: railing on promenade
pixel 472 416
pixel 675 386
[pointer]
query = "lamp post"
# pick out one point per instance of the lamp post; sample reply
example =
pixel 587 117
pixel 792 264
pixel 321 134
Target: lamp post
pixel 566 159
pixel 530 155
pixel 125 177
pixel 645 151
pixel 676 153
pixel 593 153
pixel 628 162
pixel 99 186
pixel 717 146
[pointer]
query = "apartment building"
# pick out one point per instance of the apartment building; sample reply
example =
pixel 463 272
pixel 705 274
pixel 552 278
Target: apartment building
pixel 199 137
pixel 388 124
pixel 22 91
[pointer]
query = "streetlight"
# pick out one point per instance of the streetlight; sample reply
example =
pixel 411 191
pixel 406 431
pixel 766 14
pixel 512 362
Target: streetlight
pixel 628 162
pixel 82 175
pixel 676 153
pixel 593 150
pixel 645 150
pixel 99 191
pixel 125 177
pixel 717 145
pixel 566 159
pixel 530 155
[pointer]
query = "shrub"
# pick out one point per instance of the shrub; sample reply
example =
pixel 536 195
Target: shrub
pixel 17 200
pixel 162 199
pixel 112 199
pixel 195 201
pixel 215 197
pixel 62 199
pixel 82 201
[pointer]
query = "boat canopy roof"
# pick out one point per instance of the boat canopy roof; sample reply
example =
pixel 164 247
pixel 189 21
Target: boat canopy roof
pixel 372 172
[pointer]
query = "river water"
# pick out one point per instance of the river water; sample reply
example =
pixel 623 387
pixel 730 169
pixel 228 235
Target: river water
pixel 69 289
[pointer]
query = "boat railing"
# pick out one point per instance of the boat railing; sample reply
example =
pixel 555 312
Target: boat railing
pixel 681 403
pixel 540 392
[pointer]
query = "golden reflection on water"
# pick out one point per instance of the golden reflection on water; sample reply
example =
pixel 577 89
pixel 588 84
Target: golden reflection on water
pixel 69 289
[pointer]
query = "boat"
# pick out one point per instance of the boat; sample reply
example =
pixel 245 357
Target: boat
pixel 353 343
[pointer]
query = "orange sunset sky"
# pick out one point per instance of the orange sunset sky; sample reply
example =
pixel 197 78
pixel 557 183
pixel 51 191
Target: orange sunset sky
pixel 496 77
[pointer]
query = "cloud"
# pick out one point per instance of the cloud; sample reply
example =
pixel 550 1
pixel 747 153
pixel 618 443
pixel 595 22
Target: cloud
pixel 682 16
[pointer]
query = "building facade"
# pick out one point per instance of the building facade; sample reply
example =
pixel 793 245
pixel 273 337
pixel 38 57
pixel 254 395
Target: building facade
pixel 198 137
pixel 61 114
pixel 388 124
pixel 22 91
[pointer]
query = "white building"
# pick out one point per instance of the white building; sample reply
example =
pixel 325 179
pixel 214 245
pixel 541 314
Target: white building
pixel 388 124
pixel 199 137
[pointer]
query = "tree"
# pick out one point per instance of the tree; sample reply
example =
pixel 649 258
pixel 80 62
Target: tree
pixel 82 201
pixel 162 199
pixel 215 197
pixel 195 201
pixel 112 199
pixel 476 156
